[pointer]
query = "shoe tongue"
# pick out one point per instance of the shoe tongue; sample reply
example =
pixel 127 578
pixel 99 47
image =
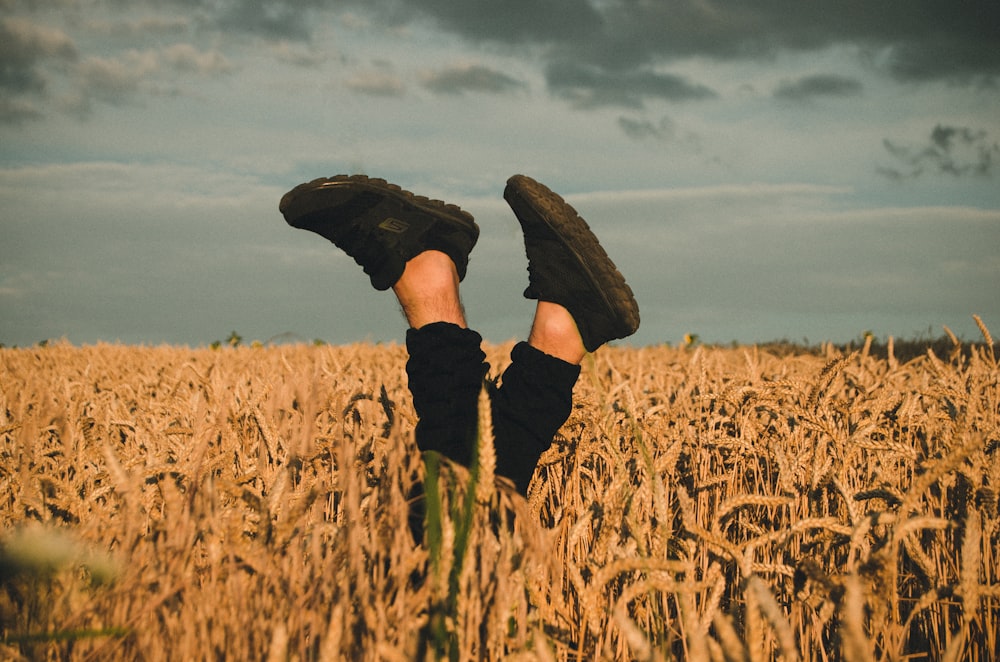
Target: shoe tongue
pixel 550 271
pixel 538 232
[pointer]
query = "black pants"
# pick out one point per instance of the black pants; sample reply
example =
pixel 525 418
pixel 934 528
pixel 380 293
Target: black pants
pixel 446 370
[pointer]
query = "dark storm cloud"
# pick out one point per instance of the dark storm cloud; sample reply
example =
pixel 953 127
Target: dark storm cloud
pixel 278 20
pixel 145 27
pixel 470 78
pixel 272 19
pixel 511 21
pixel 589 86
pixel 914 40
pixel 823 85
pixel 962 53
pixel 917 40
pixel 611 52
pixel 949 150
pixel 607 52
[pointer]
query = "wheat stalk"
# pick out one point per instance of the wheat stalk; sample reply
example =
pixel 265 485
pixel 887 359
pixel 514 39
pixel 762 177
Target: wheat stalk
pixel 772 611
pixel 486 452
pixel 987 337
pixel 971 562
pixel 855 645
pixel 261 489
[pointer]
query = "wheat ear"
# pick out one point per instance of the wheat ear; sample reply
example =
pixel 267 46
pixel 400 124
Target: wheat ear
pixel 986 336
pixel 487 455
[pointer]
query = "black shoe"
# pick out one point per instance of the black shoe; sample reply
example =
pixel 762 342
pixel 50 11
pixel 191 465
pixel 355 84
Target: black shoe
pixel 566 265
pixel 379 224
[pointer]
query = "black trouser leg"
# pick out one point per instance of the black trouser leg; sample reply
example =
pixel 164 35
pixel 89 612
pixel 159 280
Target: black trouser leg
pixel 446 369
pixel 445 372
pixel 534 400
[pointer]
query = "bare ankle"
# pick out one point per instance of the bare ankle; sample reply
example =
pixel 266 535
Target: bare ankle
pixel 554 332
pixel 428 290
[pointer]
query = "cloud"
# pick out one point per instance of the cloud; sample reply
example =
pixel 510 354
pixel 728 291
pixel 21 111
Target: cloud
pixel 25 42
pixel 594 53
pixel 115 80
pixel 461 78
pixel 272 19
pixel 185 57
pixel 380 81
pixel 16 111
pixel 139 27
pixel 970 56
pixel 949 150
pixel 821 85
pixel 41 67
pixel 644 129
pixel 286 52
pixel 133 75
pixel 24 46
pixel 918 40
pixel 512 21
pixel 664 132
pixel 592 86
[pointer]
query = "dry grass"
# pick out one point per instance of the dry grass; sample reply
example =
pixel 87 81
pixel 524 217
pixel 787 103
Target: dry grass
pixel 700 504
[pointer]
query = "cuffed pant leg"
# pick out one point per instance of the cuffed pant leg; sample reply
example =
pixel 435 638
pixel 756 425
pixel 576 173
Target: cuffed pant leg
pixel 534 400
pixel 445 369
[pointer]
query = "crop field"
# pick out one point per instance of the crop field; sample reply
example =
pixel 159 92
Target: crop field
pixel 701 503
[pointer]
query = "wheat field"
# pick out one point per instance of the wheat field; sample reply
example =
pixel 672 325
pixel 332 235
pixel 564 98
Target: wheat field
pixel 701 503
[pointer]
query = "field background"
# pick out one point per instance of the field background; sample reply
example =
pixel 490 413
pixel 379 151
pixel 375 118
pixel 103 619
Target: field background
pixel 701 503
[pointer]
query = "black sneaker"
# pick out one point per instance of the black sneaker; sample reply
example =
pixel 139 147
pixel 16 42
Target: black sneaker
pixel 379 224
pixel 566 264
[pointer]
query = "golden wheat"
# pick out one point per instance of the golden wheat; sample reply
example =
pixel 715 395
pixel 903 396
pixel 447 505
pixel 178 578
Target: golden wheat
pixel 700 503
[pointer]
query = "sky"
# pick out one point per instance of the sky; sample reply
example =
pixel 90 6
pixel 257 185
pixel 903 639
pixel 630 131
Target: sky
pixel 758 169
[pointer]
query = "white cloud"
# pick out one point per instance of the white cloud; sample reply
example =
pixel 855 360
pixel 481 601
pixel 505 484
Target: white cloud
pixel 300 56
pixel 26 51
pixel 26 41
pixel 185 57
pixel 378 82
pixel 469 77
pixel 115 80
pixel 140 27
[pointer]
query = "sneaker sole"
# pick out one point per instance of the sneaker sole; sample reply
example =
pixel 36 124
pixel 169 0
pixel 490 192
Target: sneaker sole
pixel 577 236
pixel 314 196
